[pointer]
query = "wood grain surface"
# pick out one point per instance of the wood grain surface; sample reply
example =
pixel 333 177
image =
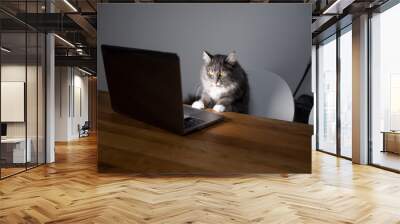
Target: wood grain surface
pixel 240 144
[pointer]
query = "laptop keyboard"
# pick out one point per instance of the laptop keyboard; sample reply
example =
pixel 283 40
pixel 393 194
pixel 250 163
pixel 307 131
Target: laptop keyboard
pixel 189 122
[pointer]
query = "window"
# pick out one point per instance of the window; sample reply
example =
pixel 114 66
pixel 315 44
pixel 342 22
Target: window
pixel 326 99
pixel 346 92
pixel 334 95
pixel 394 102
pixel 22 78
pixel 385 89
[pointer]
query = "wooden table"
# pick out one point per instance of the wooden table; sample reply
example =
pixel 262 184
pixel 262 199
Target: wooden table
pixel 241 144
pixel 15 152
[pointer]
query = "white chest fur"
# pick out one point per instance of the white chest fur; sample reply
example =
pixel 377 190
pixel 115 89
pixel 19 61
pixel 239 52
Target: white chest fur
pixel 216 92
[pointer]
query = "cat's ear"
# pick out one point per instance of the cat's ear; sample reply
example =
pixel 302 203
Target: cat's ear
pixel 207 57
pixel 231 58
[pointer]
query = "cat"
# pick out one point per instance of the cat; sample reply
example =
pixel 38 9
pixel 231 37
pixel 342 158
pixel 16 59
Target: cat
pixel 224 84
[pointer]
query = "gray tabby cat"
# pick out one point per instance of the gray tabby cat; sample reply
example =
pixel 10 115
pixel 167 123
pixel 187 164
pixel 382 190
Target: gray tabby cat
pixel 224 82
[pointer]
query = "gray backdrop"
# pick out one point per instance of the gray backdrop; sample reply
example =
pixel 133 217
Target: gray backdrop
pixel 269 39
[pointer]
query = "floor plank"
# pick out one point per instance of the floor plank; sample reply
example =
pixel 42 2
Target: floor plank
pixel 72 191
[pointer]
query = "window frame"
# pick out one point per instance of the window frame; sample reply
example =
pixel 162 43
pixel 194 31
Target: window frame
pixel 339 32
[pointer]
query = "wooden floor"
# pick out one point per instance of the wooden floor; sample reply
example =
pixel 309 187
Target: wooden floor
pixel 386 159
pixel 72 191
pixel 10 171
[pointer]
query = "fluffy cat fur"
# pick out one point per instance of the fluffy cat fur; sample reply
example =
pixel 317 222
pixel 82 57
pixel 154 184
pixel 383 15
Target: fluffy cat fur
pixel 224 84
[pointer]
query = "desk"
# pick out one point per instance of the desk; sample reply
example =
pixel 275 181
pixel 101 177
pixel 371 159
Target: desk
pixel 16 153
pixel 241 144
pixel 391 141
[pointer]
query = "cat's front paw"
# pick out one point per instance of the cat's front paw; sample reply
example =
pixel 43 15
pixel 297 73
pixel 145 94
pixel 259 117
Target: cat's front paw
pixel 219 108
pixel 198 105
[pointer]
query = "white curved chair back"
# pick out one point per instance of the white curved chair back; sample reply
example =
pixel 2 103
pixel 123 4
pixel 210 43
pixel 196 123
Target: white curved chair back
pixel 270 96
pixel 311 118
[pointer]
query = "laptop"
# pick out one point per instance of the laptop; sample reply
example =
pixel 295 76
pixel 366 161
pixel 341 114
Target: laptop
pixel 146 85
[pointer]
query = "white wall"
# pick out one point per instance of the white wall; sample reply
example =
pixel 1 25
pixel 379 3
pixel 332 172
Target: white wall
pixel 70 83
pixel 80 103
pixel 62 81
pixel 81 81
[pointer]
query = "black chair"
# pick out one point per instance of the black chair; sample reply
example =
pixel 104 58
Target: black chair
pixel 84 130
pixel 303 107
